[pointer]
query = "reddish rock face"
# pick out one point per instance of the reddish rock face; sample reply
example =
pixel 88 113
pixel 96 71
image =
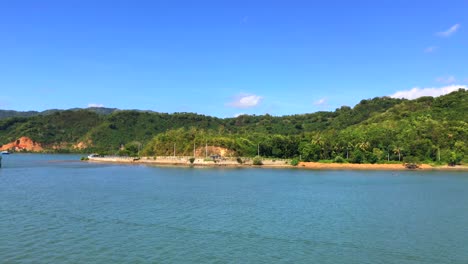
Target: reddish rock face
pixel 23 143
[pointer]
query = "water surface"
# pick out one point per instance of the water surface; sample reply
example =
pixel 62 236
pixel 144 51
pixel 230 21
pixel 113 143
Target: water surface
pixel 56 209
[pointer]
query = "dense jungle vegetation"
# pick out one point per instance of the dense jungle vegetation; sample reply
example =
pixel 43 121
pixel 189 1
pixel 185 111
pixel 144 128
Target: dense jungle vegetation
pixel 381 129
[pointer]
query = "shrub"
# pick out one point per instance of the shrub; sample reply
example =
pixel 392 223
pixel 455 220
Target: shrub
pixel 295 162
pixel 257 161
pixel 124 153
pixel 411 159
pixel 239 160
pixel 411 162
pixel 411 166
pixel 454 159
pixel 84 158
pixel 192 160
pixel 339 159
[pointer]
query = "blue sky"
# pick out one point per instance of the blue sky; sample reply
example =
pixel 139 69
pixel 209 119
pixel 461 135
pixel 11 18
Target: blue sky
pixel 223 58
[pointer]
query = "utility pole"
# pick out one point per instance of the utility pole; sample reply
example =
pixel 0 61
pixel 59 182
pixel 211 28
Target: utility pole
pixel 206 149
pixel 194 149
pixel 174 149
pixel 258 150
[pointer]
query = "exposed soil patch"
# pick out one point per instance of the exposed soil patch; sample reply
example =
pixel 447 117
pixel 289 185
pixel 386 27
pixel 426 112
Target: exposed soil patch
pixel 213 150
pixel 23 143
pixel 83 145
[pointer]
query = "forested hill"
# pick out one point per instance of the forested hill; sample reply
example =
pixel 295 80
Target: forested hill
pixel 374 130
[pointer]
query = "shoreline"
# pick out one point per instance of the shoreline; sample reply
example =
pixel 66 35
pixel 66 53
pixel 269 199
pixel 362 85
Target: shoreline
pixel 268 163
pixel 369 166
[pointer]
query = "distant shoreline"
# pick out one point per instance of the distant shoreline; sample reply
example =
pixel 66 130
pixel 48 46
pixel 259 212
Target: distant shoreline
pixel 267 163
pixel 198 162
pixel 368 166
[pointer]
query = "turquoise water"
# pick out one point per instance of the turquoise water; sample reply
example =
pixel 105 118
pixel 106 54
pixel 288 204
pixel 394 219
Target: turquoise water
pixel 55 209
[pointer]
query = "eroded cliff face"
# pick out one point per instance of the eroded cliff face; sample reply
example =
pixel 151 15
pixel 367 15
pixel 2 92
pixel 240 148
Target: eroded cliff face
pixel 23 143
pixel 214 150
pixel 83 144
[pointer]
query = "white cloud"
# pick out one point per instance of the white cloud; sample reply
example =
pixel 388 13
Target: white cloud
pixel 95 105
pixel 239 114
pixel 448 79
pixel 434 92
pixel 321 101
pixel 430 49
pixel 246 101
pixel 2 104
pixel 449 31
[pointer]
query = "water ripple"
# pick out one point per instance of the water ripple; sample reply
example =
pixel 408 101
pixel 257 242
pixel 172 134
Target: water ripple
pixel 69 213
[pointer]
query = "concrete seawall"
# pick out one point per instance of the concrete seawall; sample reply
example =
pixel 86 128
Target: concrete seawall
pixel 185 161
pixel 267 163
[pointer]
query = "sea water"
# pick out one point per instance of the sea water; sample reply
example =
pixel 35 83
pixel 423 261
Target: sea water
pixel 57 209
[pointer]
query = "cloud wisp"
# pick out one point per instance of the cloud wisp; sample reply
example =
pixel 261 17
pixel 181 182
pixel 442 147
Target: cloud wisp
pixel 449 32
pixel 447 79
pixel 3 104
pixel 245 101
pixel 420 92
pixel 95 105
pixel 321 101
pixel 245 20
pixel 430 49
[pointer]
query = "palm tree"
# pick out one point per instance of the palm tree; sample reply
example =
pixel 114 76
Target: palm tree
pixel 398 150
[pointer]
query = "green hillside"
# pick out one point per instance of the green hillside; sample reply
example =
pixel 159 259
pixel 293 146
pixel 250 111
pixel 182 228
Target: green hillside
pixel 376 130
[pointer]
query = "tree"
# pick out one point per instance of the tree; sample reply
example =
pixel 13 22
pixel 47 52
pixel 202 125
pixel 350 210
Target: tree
pixel 309 151
pixel 358 156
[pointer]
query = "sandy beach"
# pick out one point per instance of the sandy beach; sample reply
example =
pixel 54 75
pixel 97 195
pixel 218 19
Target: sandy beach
pixel 267 163
pixel 350 166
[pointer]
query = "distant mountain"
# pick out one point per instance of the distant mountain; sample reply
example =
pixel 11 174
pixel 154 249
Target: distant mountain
pixel 98 110
pixel 11 113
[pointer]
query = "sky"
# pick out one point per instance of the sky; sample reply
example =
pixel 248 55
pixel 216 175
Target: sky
pixel 225 58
